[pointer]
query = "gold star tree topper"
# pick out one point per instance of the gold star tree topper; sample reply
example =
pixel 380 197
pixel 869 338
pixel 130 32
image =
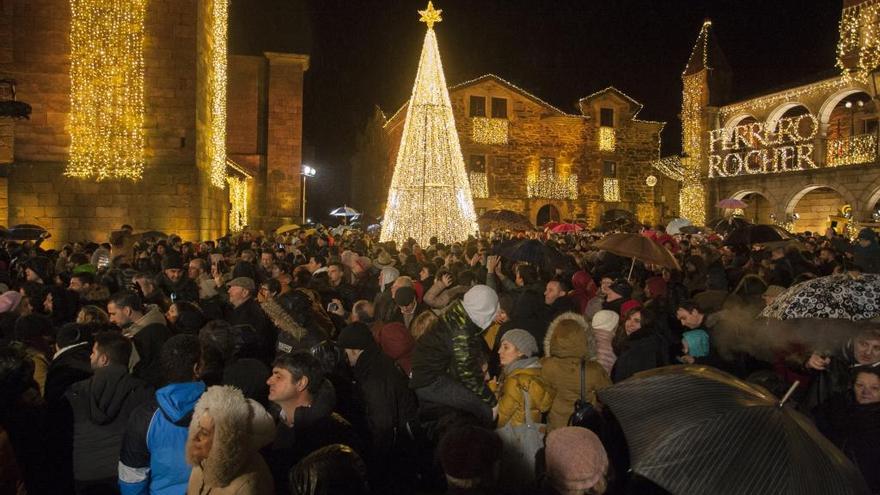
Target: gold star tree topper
pixel 430 16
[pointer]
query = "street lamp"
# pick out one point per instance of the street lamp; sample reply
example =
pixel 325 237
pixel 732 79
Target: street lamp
pixel 306 172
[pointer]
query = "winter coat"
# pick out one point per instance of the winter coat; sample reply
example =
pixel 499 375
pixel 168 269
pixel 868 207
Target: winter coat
pixel 396 342
pixel 641 350
pixel 453 346
pixel 855 429
pixel 184 290
pixel 250 313
pixel 41 367
pixel 439 296
pixel 152 457
pixel 584 290
pixel 570 340
pixel 291 335
pixel 313 427
pixel 511 402
pixel 255 479
pixel 867 258
pixel 11 481
pixel 148 334
pixel 68 367
pixel 100 408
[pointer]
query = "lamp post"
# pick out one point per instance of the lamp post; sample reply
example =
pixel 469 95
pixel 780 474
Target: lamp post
pixel 306 172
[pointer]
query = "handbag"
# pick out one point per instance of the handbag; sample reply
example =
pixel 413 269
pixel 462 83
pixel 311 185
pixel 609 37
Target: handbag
pixel 521 445
pixel 585 415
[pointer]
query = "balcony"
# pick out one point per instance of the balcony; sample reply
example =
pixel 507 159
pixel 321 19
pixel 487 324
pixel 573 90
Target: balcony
pixel 852 150
pixel 487 130
pixel 552 186
pixel 479 185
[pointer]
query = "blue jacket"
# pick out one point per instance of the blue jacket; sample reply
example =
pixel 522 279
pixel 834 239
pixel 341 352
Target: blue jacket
pixel 152 459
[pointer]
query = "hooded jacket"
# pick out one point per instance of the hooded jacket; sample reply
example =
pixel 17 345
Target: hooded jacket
pixel 511 402
pixel 569 340
pixel 100 408
pixel 152 457
pixel 148 334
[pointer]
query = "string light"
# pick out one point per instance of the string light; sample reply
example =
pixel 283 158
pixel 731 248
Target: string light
pixel 611 190
pixel 607 139
pixel 217 75
pixel 692 196
pixel 758 104
pixel 851 150
pixel 487 130
pixel 670 167
pixel 429 194
pixel 859 40
pixel 238 201
pixel 106 89
pixel 546 184
pixel 479 184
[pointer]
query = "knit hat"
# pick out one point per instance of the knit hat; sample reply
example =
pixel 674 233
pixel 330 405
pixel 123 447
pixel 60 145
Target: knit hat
pixel 172 262
pixel 243 282
pixel 698 342
pixel 69 334
pixel 575 458
pixel 774 290
pixel 629 306
pixel 657 286
pixel 469 453
pixel 481 305
pixel 40 265
pixel 622 287
pixel 356 336
pixel 606 320
pixel 190 322
pixel 404 296
pixel 522 340
pixel 9 301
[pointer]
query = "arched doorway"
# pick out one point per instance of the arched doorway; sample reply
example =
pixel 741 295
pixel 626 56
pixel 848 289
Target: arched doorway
pixel 814 206
pixel 547 213
pixel 759 209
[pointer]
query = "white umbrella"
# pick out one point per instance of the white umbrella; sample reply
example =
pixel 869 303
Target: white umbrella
pixel 345 211
pixel 674 227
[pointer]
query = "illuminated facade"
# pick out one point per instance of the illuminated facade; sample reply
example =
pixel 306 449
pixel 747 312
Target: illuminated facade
pixel 526 155
pixel 805 157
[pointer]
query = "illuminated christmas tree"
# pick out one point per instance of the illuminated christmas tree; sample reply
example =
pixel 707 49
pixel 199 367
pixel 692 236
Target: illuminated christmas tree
pixel 430 194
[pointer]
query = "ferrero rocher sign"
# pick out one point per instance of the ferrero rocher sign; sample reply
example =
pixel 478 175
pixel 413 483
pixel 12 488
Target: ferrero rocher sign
pixel 784 145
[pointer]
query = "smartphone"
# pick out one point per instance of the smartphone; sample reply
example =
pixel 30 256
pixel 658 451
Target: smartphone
pixel 332 307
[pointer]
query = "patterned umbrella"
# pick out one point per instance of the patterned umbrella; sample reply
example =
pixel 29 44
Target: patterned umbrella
pixel 841 296
pixel 694 430
pixel 731 204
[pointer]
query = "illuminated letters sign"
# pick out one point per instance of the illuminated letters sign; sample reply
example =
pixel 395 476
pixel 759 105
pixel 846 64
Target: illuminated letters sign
pixel 763 148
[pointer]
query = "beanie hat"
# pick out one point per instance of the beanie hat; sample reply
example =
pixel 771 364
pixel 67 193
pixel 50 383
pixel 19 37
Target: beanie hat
pixel 404 296
pixel 522 340
pixel 657 286
pixel 69 334
pixel 698 343
pixel 629 306
pixel 356 336
pixel 575 458
pixel 481 305
pixel 172 262
pixel 468 453
pixel 9 301
pixel 622 287
pixel 40 265
pixel 190 322
pixel 606 320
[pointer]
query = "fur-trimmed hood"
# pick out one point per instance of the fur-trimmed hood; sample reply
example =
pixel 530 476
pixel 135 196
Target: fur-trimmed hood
pixel 569 335
pixel 283 320
pixel 241 427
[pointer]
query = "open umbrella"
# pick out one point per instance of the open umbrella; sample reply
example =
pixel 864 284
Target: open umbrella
pixel 757 234
pixel 152 234
pixel 725 225
pixel 345 211
pixel 289 227
pixel 533 252
pixel 694 430
pixel 638 247
pixel 503 220
pixel 675 226
pixel 841 296
pixel 565 228
pixel 731 204
pixel 25 232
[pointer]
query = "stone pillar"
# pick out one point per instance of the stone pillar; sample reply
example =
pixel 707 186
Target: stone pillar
pixel 284 140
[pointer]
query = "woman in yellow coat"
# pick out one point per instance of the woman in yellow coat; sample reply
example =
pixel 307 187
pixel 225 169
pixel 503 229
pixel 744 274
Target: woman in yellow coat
pixel 521 373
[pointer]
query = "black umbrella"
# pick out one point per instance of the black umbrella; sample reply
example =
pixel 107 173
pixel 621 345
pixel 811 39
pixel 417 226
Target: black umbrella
pixel 25 232
pixel 727 225
pixel 694 430
pixel 757 234
pixel 503 220
pixel 533 252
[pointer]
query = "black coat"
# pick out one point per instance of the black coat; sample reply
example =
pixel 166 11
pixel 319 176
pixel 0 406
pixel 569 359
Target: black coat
pixel 250 313
pixel 855 429
pixel 148 342
pixel 99 412
pixel 70 367
pixel 642 350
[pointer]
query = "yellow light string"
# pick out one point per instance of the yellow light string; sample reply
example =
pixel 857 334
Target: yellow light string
pixel 217 77
pixel 607 139
pixel 238 201
pixel 851 150
pixel 611 190
pixel 549 185
pixel 106 89
pixel 692 196
pixel 429 194
pixel 485 130
pixel 479 184
pixel 858 33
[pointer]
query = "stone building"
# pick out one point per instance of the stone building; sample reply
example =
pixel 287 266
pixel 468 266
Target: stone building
pixel 183 137
pixel 804 156
pixel 526 155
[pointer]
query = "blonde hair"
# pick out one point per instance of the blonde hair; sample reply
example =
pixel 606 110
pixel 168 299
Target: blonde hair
pixel 422 324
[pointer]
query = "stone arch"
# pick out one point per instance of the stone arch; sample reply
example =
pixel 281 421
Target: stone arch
pixel 736 119
pixel 824 113
pixel 757 212
pixel 779 111
pixel 872 198
pixel 846 196
pixel 547 212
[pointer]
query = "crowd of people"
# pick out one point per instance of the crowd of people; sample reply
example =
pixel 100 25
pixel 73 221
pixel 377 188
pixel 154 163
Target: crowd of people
pixel 314 363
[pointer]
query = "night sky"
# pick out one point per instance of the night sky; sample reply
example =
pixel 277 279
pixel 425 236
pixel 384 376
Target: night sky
pixel 365 53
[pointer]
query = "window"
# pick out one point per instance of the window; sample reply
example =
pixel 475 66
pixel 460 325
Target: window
pixel 499 108
pixel 548 165
pixel 609 169
pixel 478 106
pixel 477 163
pixel 606 117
